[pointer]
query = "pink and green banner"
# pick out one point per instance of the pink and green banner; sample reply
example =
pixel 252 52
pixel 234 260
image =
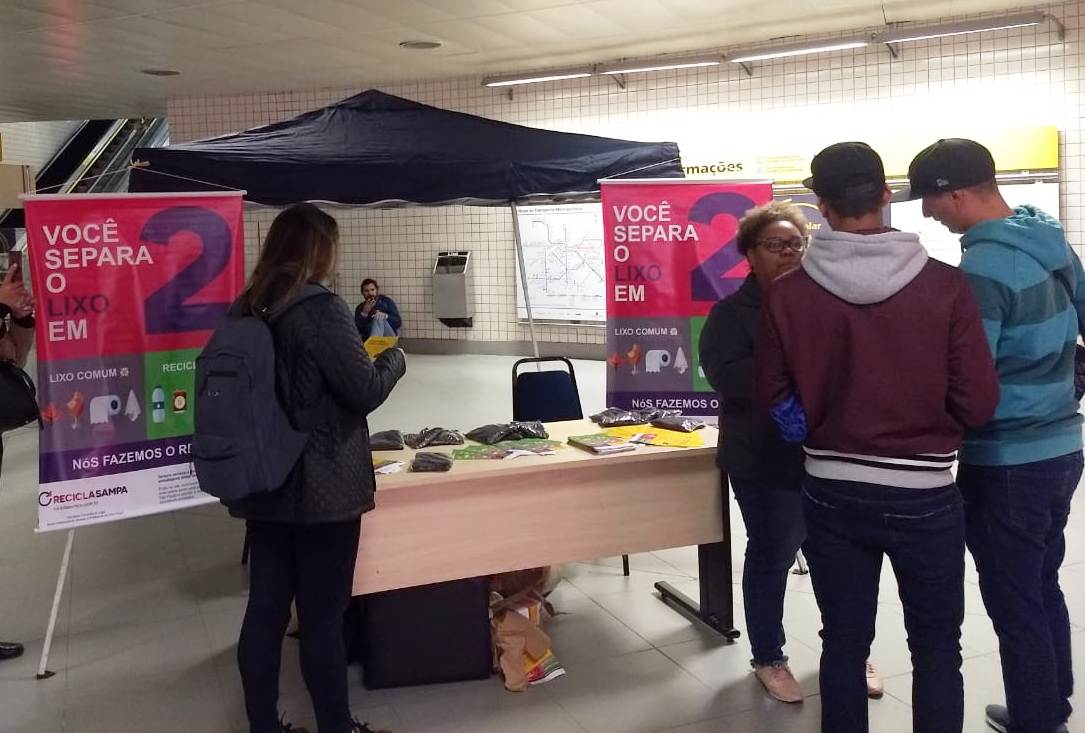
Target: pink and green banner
pixel 128 288
pixel 670 255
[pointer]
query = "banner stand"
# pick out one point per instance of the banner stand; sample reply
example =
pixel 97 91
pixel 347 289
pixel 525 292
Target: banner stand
pixel 523 280
pixel 62 576
pixel 116 363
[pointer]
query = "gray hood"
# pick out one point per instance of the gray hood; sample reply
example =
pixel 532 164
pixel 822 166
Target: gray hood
pixel 864 268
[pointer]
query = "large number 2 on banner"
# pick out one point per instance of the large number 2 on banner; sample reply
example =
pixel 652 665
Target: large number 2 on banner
pixel 167 310
pixel 708 282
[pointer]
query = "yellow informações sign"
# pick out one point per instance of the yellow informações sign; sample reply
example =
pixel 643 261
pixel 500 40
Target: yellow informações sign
pixel 1014 149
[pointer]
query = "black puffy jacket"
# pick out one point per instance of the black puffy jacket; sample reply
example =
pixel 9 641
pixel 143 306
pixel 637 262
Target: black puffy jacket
pixel 750 447
pixel 328 386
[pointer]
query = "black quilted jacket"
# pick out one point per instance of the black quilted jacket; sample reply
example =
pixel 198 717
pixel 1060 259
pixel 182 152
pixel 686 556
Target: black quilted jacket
pixel 328 386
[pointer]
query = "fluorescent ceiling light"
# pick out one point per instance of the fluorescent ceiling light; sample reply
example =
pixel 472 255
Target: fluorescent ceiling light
pixel 904 35
pixel 661 64
pixel 529 77
pixel 796 49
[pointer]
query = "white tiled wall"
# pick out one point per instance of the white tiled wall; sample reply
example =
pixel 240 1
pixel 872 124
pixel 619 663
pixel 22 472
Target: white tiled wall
pixel 34 143
pixel 1019 77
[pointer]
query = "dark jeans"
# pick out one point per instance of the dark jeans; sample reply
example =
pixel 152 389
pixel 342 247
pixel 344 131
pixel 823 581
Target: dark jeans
pixel 850 527
pixel 312 565
pixel 774 532
pixel 1015 517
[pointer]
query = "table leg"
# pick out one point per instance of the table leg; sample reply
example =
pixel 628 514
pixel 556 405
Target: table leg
pixel 717 607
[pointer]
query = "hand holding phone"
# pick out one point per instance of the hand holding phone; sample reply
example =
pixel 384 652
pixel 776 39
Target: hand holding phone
pixel 14 295
pixel 15 264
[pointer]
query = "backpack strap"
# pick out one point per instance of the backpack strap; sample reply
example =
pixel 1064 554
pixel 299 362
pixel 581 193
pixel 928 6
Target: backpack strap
pixel 1062 277
pixel 310 291
pixel 271 315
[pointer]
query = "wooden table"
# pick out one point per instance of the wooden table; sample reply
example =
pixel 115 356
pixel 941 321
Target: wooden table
pixel 488 516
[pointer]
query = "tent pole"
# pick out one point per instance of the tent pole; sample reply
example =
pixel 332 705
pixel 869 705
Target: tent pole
pixel 523 278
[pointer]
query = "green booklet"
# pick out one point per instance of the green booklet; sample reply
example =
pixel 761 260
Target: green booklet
pixel 538 446
pixel 507 449
pixel 479 453
pixel 601 443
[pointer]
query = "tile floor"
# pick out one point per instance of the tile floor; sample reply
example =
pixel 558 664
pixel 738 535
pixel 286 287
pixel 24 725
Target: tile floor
pixel 147 628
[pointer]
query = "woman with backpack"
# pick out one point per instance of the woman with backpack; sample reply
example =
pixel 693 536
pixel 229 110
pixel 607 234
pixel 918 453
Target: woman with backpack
pixel 304 536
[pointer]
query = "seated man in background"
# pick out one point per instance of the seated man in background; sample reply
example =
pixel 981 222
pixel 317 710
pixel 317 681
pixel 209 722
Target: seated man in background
pixel 376 315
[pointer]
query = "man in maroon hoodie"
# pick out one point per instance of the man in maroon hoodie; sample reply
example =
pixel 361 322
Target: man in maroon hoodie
pixel 874 357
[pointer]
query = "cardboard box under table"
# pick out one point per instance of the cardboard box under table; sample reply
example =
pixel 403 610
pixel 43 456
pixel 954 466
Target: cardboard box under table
pixel 491 516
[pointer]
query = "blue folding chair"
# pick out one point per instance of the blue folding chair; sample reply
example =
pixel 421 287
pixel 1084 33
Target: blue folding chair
pixel 548 395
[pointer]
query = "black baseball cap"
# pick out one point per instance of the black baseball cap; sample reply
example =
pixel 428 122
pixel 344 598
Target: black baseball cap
pixel 948 165
pixel 846 171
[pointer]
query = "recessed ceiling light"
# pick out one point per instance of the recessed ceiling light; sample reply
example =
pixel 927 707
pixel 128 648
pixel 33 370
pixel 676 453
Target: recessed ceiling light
pixel 161 72
pixel 420 45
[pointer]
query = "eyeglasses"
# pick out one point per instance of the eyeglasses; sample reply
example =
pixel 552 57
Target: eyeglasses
pixel 778 245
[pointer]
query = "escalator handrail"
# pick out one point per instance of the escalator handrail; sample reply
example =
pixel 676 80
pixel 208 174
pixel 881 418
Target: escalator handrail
pixel 92 157
pixel 154 133
pixel 116 169
pixel 107 167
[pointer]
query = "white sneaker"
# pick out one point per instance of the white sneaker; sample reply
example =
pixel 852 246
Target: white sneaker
pixel 875 684
pixel 779 682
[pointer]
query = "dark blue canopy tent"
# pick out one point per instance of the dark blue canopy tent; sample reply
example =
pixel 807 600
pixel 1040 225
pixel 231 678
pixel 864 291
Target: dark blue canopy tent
pixel 375 149
pixel 378 149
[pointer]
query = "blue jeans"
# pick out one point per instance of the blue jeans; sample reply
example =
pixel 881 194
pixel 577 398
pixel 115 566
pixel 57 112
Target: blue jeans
pixel 850 527
pixel 381 327
pixel 774 533
pixel 1015 518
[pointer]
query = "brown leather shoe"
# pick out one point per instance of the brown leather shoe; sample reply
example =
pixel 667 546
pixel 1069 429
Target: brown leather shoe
pixel 779 682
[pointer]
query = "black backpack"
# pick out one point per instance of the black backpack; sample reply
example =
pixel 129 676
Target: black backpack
pixel 243 443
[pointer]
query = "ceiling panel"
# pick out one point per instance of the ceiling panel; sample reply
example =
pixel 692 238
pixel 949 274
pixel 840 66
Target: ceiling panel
pixel 75 59
pixel 408 11
pixel 343 14
pixel 587 22
pixel 525 29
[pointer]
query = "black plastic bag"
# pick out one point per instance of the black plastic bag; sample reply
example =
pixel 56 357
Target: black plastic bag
pixel 614 417
pixel 491 434
pixel 431 462
pixel 386 440
pixel 433 436
pixel 534 429
pixel 679 423
pixel 656 413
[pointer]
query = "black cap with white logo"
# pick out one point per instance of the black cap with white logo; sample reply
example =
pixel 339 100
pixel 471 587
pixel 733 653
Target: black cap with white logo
pixel 948 165
pixel 846 171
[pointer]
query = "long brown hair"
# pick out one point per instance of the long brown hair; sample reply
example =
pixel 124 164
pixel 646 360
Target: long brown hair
pixel 301 245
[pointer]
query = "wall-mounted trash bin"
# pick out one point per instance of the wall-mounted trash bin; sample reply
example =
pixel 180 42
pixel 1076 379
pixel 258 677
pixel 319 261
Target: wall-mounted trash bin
pixel 454 289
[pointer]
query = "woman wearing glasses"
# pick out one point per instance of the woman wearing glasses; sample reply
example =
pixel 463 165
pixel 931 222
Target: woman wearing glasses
pixel 764 471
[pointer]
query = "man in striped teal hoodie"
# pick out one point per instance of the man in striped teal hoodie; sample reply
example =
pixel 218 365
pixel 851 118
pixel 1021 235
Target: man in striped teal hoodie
pixel 1019 472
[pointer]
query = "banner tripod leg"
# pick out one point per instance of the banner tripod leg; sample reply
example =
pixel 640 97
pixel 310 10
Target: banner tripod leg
pixel 43 673
pixel 523 279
